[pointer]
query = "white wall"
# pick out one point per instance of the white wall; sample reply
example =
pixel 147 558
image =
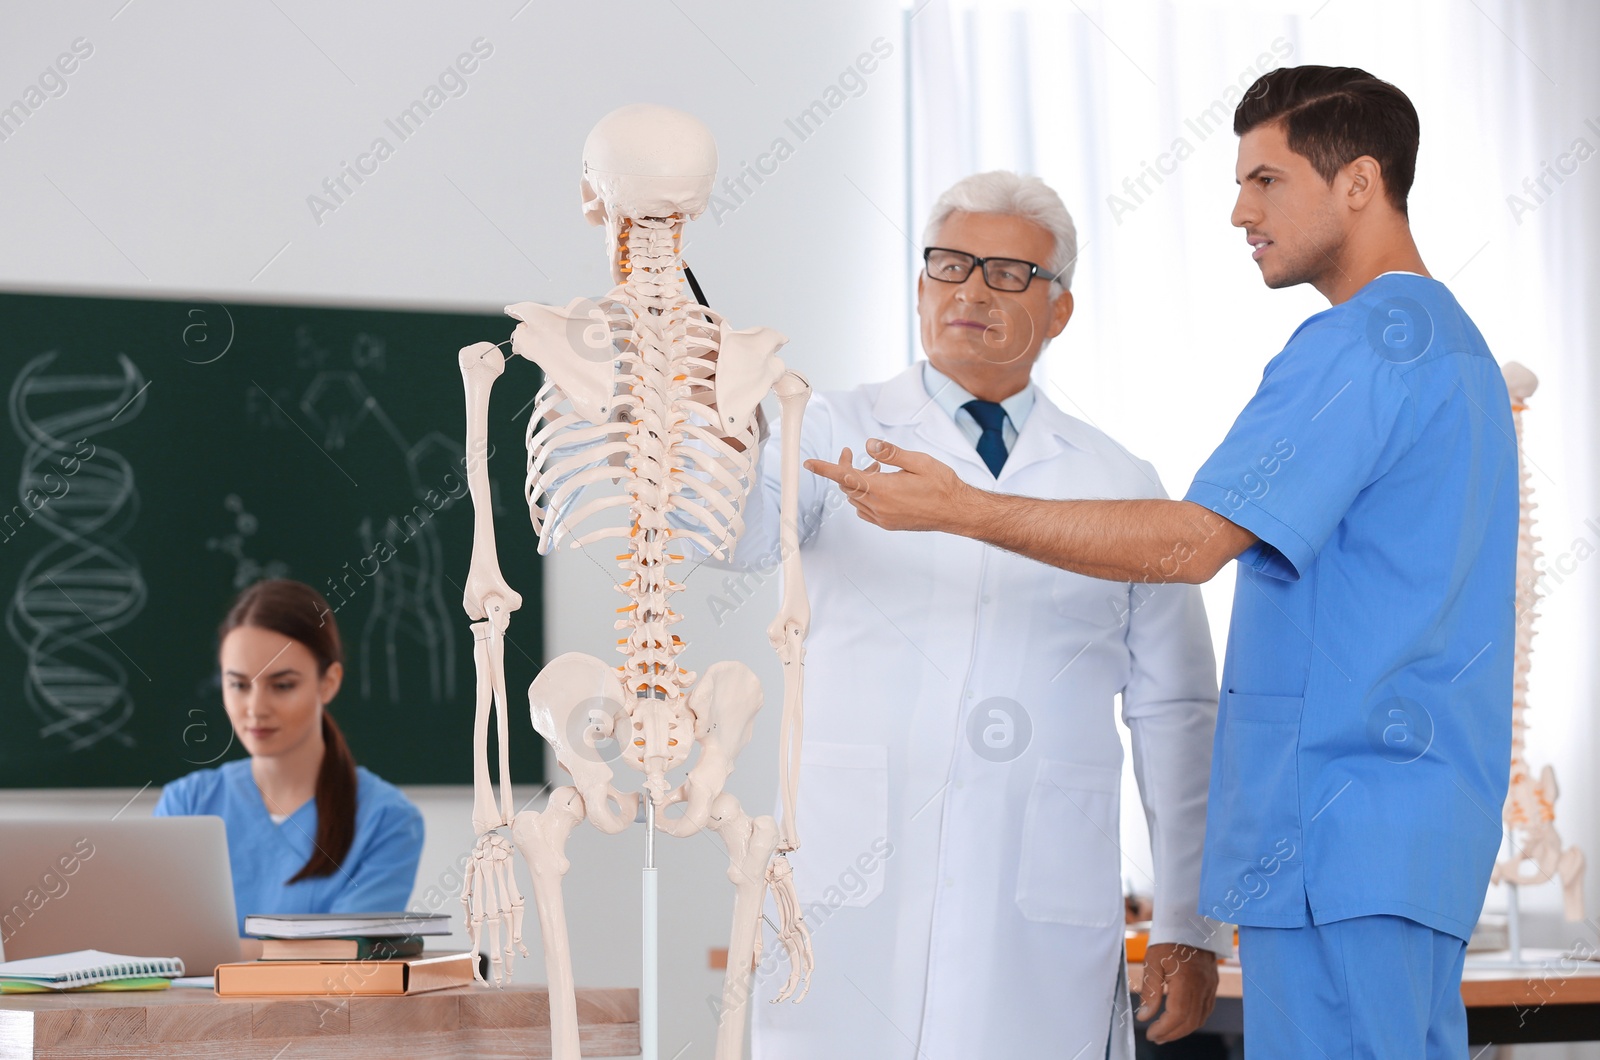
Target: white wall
pixel 179 161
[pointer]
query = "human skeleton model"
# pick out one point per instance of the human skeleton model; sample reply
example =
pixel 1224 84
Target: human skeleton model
pixel 651 392
pixel 1530 811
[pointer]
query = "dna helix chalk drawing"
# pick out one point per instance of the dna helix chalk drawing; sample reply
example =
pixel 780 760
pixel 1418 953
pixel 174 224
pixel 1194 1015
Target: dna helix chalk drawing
pixel 82 583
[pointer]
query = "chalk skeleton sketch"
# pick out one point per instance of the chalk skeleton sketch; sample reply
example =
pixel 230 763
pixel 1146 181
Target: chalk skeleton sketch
pixel 407 601
pixel 83 583
pixel 408 618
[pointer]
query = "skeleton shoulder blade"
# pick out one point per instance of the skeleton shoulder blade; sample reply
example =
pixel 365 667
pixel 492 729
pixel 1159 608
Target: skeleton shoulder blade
pixel 557 340
pixel 747 366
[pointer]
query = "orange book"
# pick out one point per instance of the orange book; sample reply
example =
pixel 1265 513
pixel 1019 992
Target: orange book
pixel 353 949
pixel 412 975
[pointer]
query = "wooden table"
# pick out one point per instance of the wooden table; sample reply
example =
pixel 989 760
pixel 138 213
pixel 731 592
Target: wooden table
pixel 470 1021
pixel 1557 1001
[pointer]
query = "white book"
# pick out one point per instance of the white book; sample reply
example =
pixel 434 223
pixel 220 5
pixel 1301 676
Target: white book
pixel 63 971
pixel 346 925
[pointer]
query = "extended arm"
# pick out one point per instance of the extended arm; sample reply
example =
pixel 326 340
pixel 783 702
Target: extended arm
pixel 1148 540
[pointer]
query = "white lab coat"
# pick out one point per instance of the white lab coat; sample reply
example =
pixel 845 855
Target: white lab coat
pixel 958 803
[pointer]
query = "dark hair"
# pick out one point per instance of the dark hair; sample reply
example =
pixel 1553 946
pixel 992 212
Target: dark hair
pixel 1333 115
pixel 300 613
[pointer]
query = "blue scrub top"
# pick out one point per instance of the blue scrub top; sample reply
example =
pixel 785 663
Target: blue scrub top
pixel 1363 739
pixel 377 874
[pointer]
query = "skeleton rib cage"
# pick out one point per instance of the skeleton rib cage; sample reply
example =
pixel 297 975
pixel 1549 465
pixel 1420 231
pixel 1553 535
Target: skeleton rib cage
pixel 679 480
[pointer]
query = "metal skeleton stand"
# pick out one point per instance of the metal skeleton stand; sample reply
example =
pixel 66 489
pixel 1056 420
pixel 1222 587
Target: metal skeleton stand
pixel 649 999
pixel 1514 924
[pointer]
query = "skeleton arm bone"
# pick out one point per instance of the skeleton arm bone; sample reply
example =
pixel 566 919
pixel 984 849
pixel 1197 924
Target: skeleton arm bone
pixel 487 596
pixel 489 656
pixel 481 364
pixel 787 633
pixel 485 817
pixel 489 890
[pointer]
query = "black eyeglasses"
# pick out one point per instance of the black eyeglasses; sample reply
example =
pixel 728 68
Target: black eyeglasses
pixel 1002 274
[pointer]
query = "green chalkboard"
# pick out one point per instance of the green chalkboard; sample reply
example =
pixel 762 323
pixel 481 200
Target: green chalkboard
pixel 163 454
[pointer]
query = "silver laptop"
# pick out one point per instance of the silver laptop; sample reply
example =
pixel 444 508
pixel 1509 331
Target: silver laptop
pixel 153 887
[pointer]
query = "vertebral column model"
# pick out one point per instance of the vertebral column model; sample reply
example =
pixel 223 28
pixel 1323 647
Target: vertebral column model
pixel 655 395
pixel 1530 811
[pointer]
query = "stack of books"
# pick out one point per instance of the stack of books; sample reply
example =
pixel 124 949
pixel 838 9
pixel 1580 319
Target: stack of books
pixel 345 954
pixel 88 970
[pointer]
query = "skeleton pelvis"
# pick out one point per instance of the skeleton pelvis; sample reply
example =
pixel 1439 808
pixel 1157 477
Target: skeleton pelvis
pixel 724 703
pixel 576 702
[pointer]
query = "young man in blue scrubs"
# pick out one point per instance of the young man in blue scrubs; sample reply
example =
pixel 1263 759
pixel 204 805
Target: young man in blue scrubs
pixel 1369 492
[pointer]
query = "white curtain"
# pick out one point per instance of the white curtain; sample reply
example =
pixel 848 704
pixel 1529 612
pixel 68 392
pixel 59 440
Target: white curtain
pixel 1126 109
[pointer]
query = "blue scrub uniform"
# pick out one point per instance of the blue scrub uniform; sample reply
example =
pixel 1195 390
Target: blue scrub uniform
pixel 1364 732
pixel 377 874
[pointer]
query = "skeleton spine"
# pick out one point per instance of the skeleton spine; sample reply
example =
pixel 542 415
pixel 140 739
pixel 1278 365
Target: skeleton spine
pixel 1526 804
pixel 656 377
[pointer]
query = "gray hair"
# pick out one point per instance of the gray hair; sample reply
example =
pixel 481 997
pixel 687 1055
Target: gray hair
pixel 1004 192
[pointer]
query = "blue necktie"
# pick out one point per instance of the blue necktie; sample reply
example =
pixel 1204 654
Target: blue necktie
pixel 992 442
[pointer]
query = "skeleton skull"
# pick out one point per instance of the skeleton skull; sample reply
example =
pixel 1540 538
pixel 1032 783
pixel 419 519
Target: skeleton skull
pixel 645 160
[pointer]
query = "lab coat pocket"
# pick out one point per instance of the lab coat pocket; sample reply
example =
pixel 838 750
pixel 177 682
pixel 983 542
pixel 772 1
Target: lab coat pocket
pixel 844 824
pixel 1070 865
pixel 1259 777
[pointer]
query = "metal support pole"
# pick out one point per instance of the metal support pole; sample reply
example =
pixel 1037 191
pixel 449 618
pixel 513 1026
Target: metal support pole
pixel 648 997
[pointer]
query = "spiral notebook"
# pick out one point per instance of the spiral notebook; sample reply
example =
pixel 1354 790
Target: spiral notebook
pixel 67 971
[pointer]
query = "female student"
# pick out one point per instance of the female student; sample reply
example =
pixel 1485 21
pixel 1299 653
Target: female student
pixel 309 831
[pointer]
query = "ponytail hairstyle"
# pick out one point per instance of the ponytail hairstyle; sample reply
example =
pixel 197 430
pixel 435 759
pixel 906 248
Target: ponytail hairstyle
pixel 299 612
